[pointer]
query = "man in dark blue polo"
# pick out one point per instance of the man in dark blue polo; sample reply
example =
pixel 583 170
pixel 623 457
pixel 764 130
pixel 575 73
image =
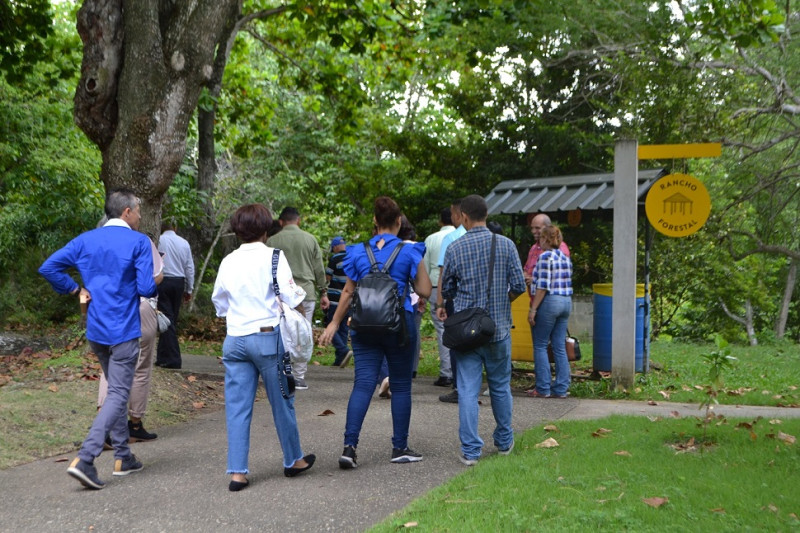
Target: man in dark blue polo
pixel 116 265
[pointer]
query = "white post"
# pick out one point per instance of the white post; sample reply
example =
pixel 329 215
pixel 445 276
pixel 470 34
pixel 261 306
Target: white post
pixel 623 307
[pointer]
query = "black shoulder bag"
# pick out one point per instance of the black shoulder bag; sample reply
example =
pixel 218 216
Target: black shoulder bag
pixel 472 327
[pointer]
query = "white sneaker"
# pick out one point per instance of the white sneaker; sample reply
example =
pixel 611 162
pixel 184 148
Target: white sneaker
pixel 465 461
pixel 384 391
pixel 486 392
pixel 507 451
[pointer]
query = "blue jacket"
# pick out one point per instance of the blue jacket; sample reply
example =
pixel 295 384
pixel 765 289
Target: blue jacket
pixel 116 265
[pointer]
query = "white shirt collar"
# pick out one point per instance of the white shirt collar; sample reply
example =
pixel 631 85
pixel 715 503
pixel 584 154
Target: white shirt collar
pixel 117 222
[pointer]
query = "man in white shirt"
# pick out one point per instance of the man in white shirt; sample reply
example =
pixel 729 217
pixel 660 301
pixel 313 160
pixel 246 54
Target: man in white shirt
pixel 433 245
pixel 175 289
pixel 455 214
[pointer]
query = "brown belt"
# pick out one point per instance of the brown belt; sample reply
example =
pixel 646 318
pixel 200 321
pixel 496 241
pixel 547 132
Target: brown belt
pixel 265 330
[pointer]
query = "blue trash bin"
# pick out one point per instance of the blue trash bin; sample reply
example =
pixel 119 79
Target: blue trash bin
pixel 602 327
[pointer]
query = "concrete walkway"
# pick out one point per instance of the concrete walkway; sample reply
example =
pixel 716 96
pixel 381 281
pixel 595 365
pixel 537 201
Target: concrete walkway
pixel 183 486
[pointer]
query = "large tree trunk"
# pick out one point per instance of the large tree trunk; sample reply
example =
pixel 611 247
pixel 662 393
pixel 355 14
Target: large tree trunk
pixel 144 63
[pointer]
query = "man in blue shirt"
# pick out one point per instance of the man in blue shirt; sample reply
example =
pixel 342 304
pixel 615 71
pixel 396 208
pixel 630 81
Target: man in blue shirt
pixel 116 265
pixel 464 282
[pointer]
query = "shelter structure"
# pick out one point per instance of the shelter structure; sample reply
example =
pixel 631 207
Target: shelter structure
pixel 573 195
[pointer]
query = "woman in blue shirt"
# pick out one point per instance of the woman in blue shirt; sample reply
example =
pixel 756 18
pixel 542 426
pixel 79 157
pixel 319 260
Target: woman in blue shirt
pixel 370 349
pixel 550 310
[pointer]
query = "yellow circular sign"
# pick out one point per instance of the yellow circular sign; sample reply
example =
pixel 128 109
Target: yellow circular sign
pixel 678 205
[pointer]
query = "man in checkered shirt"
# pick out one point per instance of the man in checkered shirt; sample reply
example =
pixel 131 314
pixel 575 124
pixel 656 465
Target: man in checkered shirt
pixel 466 275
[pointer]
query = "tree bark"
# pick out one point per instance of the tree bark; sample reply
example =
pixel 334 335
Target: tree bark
pixel 144 64
pixel 788 291
pixel 746 320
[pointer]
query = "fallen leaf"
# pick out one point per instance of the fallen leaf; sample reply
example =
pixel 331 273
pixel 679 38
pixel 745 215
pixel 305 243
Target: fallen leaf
pixel 772 508
pixel 685 388
pixel 191 379
pixel 775 421
pixel 792 515
pixel 746 425
pixel 651 402
pixel 601 432
pixel 654 418
pixel 655 502
pixel 765 392
pixel 62 460
pixel 198 405
pixel 623 453
pixel 665 394
pixel 698 387
pixel 785 437
pixel 411 524
pixel 326 412
pixel 792 387
pixel 547 443
pixel 674 414
pixel 550 427
pixel 719 510
pixel 637 390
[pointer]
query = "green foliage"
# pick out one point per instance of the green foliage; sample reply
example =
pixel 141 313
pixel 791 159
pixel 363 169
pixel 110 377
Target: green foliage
pixel 24 27
pixel 50 190
pixel 718 361
pixel 738 23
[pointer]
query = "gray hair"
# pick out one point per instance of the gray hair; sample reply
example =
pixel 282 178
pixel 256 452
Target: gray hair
pixel 119 200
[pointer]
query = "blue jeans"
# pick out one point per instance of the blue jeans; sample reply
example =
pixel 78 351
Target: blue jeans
pixel 119 365
pixel 369 352
pixel 551 325
pixel 339 340
pixel 245 358
pixel 495 357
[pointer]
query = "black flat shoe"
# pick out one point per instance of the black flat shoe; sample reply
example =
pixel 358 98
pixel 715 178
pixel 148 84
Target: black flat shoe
pixel 292 471
pixel 236 486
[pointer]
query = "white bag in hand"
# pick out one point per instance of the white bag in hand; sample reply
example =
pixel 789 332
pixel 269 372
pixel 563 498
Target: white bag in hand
pixel 163 322
pixel 296 334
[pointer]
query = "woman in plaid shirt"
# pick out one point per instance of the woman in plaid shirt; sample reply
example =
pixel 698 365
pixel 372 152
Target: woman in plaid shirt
pixel 550 309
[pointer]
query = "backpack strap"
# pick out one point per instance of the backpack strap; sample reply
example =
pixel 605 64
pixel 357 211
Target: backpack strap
pixel 373 264
pixel 275 256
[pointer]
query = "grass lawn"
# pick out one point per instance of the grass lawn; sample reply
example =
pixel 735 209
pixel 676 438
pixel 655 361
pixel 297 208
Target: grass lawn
pixel 761 375
pixel 637 475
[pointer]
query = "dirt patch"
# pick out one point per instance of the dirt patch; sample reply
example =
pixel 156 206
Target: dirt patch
pixel 48 400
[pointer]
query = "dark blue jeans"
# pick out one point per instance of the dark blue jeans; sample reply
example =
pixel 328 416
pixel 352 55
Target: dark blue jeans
pixel 339 340
pixel 369 352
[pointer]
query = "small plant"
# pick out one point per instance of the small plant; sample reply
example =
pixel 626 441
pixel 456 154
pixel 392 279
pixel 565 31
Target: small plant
pixel 718 360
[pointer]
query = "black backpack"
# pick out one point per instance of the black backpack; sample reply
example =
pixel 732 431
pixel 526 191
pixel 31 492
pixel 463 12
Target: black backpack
pixel 377 305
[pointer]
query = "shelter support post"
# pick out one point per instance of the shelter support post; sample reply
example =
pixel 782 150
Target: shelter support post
pixel 623 308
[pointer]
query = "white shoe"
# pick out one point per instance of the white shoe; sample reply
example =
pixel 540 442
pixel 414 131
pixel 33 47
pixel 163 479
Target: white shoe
pixel 506 451
pixel 465 461
pixel 384 391
pixel 486 392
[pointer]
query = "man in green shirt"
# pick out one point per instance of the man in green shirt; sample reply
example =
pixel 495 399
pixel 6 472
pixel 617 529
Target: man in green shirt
pixel 305 259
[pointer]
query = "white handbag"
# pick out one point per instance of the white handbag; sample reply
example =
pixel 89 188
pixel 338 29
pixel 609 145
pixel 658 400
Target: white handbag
pixel 296 334
pixel 295 330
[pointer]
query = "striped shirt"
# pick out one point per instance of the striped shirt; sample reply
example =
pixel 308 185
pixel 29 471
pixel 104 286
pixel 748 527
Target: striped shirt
pixel 335 270
pixel 553 273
